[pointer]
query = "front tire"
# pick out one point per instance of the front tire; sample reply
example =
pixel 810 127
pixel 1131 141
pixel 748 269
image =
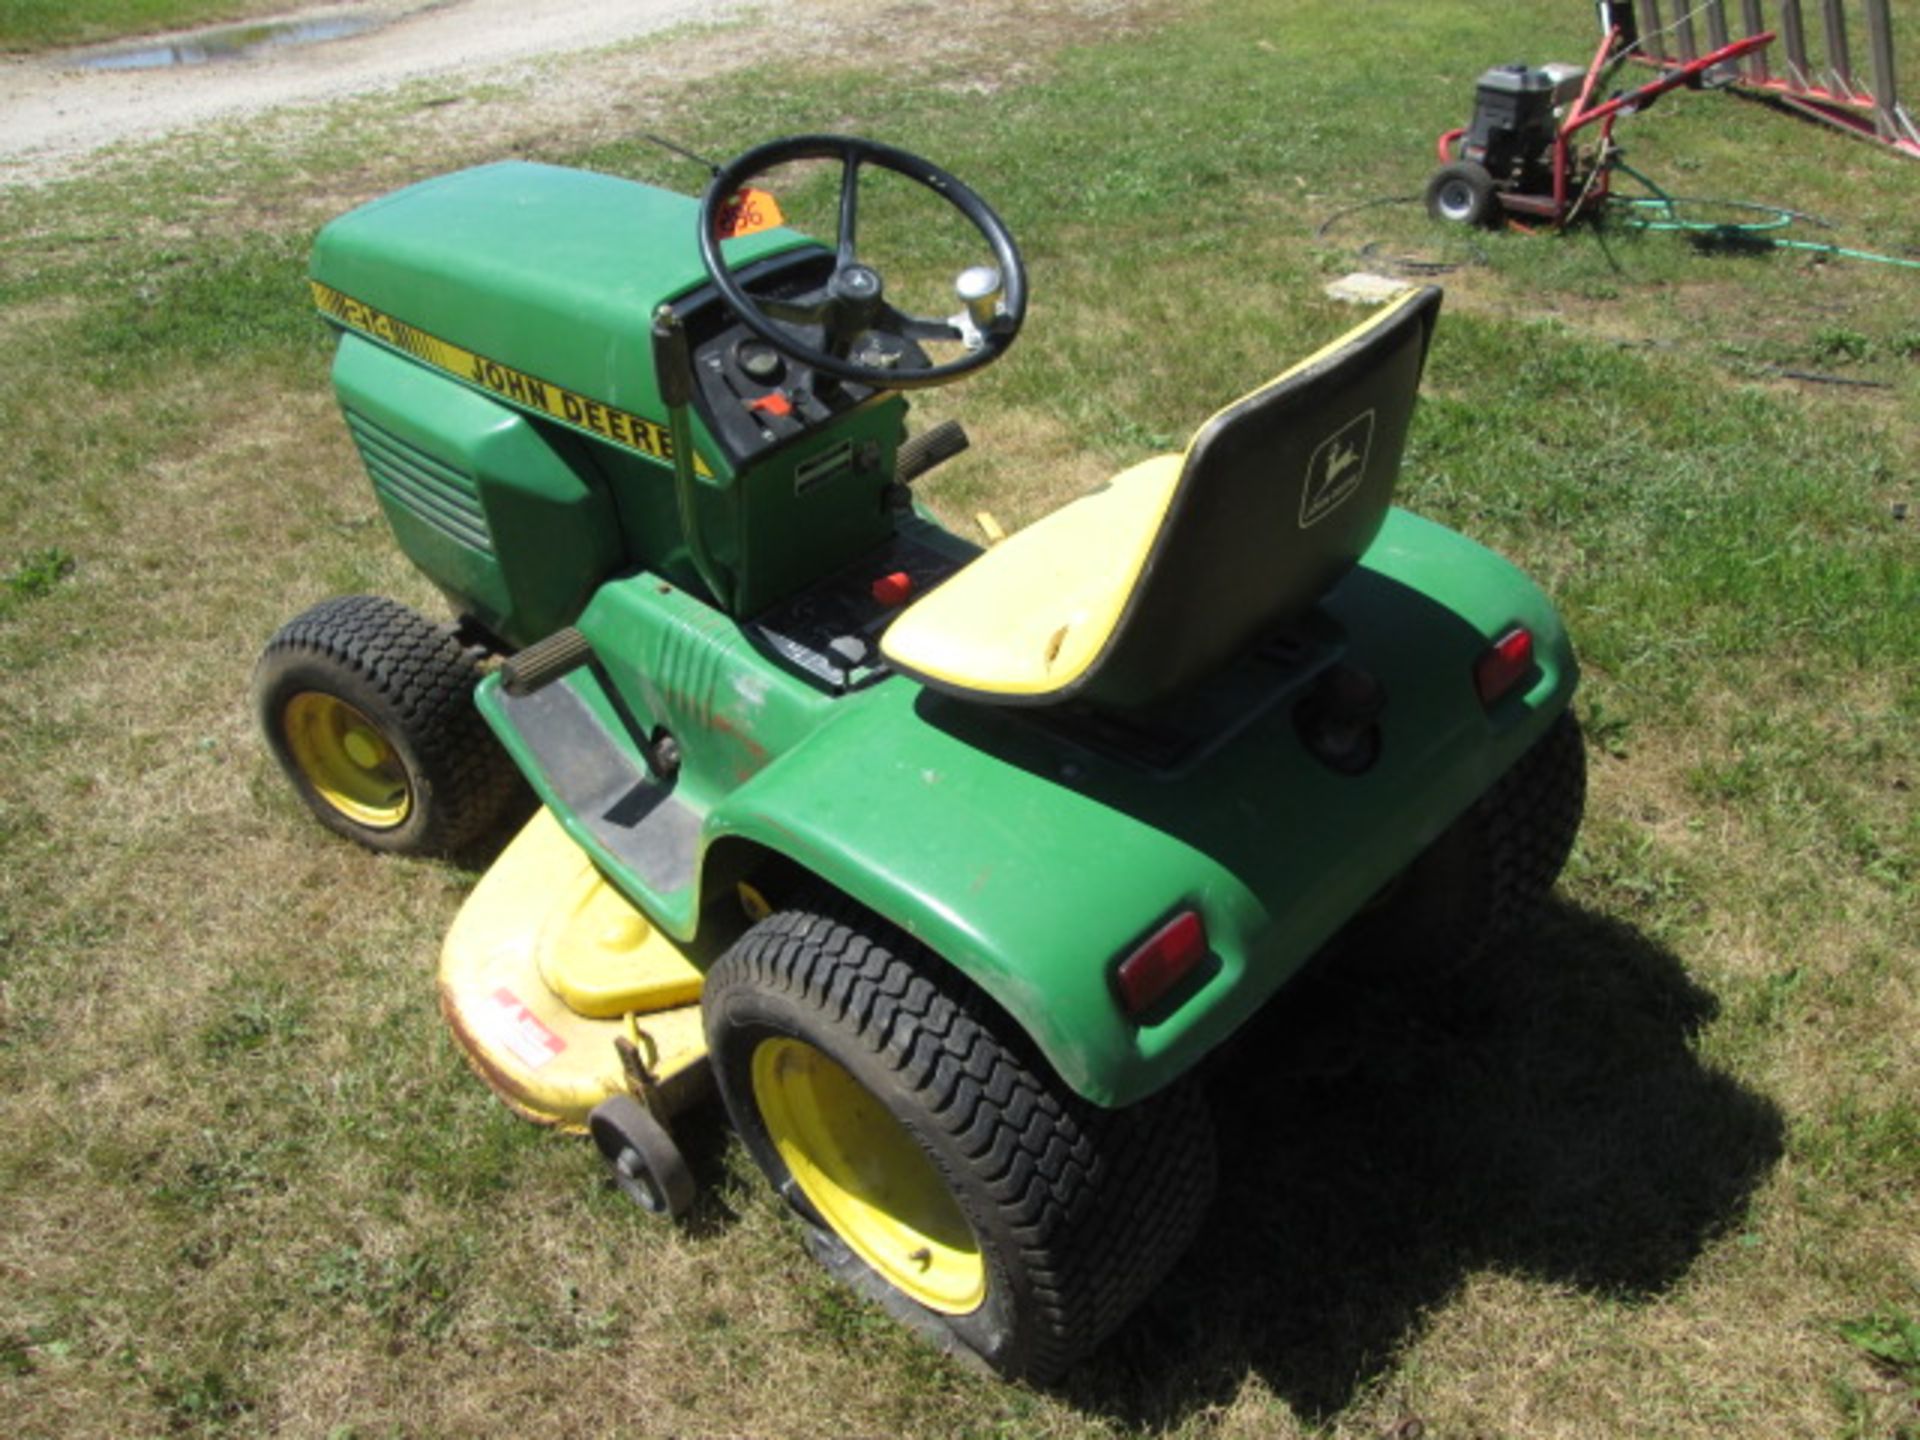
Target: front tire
pixel 368 707
pixel 933 1155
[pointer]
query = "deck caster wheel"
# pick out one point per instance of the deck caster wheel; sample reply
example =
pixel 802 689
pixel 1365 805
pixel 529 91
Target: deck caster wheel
pixel 646 1164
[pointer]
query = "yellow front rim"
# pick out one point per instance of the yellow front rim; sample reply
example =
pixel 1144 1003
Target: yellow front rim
pixel 868 1177
pixel 347 761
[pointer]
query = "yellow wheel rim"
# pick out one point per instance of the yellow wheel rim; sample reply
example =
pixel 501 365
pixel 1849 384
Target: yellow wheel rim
pixel 868 1177
pixel 347 760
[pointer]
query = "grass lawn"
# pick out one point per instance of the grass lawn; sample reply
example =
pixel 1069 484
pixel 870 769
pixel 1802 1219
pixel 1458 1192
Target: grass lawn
pixel 1653 1173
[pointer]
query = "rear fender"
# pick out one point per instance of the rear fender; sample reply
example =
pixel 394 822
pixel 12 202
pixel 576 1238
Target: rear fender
pixel 1033 865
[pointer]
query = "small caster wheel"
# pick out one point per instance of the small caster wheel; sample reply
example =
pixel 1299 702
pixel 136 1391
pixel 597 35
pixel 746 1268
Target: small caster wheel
pixel 646 1164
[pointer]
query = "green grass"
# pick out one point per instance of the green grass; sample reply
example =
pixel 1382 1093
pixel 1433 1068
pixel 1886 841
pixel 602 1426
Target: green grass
pixel 1650 1175
pixel 42 24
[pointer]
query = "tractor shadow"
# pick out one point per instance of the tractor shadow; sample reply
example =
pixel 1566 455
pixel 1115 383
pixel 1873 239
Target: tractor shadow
pixel 1543 1116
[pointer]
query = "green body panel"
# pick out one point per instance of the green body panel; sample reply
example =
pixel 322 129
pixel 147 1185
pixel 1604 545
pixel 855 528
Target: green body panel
pixel 553 272
pixel 1034 864
pixel 509 517
pixel 537 286
pixel 806 509
pixel 498 372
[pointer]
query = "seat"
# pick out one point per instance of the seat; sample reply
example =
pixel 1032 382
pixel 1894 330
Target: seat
pixel 1125 596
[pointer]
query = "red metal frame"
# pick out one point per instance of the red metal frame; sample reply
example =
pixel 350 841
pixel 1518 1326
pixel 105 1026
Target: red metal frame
pixel 1556 208
pixel 1829 91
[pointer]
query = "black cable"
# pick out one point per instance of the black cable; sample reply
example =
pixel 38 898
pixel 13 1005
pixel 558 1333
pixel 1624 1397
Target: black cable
pixel 1370 252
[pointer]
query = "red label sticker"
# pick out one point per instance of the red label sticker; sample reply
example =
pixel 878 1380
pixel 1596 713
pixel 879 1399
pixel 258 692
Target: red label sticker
pixel 514 1026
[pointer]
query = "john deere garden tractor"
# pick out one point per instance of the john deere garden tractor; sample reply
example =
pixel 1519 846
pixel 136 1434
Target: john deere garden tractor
pixel 947 865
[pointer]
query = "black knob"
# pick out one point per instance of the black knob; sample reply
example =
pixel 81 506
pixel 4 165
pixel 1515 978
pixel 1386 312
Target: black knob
pixel 760 361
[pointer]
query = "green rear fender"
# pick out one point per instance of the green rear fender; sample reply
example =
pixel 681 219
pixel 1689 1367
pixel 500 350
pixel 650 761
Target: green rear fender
pixel 1033 867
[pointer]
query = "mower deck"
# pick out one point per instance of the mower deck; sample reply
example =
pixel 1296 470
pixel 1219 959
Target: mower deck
pixel 548 970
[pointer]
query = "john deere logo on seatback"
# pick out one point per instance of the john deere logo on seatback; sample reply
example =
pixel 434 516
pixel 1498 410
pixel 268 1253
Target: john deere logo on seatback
pixel 1338 466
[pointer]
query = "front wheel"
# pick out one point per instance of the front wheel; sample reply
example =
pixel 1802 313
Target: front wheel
pixel 368 707
pixel 933 1156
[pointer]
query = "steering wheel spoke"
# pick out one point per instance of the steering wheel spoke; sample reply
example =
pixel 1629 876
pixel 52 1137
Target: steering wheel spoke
pixel 849 208
pixel 851 306
pixel 915 327
pixel 807 309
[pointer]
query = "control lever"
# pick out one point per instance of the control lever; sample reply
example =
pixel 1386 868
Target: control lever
pixel 928 449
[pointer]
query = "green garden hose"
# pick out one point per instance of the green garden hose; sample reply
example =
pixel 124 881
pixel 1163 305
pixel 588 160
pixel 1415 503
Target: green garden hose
pixel 1658 210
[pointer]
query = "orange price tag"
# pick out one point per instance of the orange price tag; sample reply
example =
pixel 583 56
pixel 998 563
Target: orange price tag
pixel 749 211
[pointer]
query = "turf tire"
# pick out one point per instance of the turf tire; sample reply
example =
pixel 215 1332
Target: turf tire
pixel 1077 1211
pixel 1484 880
pixel 412 681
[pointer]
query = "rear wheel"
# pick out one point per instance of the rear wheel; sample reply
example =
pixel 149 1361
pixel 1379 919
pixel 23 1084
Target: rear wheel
pixel 1486 876
pixel 368 707
pixel 1461 193
pixel 940 1167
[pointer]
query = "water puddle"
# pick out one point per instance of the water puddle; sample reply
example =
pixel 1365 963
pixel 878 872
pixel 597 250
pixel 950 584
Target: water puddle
pixel 231 42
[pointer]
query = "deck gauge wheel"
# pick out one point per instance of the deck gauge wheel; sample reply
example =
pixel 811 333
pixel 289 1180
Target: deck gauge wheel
pixel 646 1164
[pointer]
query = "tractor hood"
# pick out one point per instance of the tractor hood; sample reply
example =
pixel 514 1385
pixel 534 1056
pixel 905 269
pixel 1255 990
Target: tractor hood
pixel 535 283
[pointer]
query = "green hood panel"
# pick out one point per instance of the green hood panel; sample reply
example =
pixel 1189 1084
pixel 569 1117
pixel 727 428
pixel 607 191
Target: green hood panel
pixel 553 272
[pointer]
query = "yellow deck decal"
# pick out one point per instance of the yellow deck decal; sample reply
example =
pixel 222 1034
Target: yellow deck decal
pixel 622 427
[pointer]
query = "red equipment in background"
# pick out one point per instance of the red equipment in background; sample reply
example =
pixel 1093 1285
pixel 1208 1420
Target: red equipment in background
pixel 1538 145
pixel 1826 87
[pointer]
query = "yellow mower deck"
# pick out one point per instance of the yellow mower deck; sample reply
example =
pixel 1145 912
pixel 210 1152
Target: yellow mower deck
pixel 547 968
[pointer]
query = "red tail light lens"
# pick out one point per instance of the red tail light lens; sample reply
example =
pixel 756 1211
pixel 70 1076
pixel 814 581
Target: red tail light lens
pixel 1162 961
pixel 1506 662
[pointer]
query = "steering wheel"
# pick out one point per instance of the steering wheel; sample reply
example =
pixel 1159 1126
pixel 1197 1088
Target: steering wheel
pixel 853 304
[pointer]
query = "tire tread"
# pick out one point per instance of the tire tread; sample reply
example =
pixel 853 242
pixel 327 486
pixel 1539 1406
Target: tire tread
pixel 1102 1203
pixel 423 677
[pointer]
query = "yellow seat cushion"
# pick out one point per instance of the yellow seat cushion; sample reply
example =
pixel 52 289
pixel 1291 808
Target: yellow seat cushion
pixel 1030 615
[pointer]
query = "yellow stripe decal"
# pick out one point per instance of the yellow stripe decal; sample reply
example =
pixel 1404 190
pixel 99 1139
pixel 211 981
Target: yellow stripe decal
pixel 622 427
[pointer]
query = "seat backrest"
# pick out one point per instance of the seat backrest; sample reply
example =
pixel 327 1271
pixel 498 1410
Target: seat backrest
pixel 1279 494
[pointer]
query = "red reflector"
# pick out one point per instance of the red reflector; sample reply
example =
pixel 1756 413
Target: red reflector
pixel 1505 664
pixel 1163 960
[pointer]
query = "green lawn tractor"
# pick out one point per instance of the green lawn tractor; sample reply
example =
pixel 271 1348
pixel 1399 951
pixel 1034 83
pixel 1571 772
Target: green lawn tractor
pixel 949 866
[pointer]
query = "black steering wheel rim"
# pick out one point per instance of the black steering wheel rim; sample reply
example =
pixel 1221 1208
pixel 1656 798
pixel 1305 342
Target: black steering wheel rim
pixel 854 152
